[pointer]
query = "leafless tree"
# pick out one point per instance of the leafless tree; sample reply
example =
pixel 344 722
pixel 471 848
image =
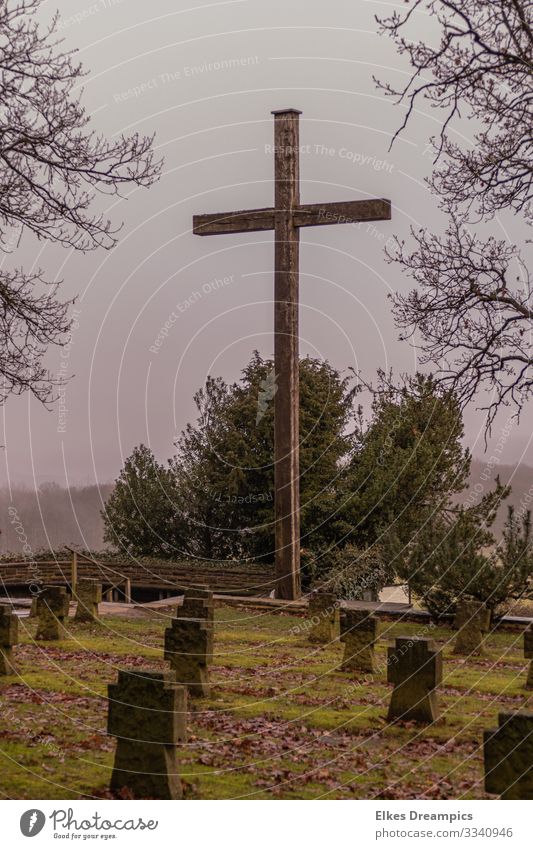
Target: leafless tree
pixel 52 165
pixel 473 306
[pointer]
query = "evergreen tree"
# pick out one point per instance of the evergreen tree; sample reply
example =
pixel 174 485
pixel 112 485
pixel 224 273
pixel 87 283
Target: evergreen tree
pixel 141 515
pixel 454 555
pixel 224 464
pixel 215 499
pixel 408 459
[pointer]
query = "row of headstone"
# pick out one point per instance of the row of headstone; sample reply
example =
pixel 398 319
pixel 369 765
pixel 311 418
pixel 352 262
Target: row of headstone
pixel 51 607
pixel 148 728
pixel 189 641
pixel 148 710
pixel 87 593
pixel 472 621
pixel 414 667
pixel 358 631
pixel 148 716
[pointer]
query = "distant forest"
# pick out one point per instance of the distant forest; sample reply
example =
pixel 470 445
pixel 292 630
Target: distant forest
pixel 54 516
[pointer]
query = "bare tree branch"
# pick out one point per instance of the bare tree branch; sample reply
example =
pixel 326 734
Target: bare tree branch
pixel 31 319
pixel 482 67
pixel 471 313
pixel 52 165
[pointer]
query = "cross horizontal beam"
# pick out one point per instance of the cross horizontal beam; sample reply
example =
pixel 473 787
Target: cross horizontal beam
pixel 244 221
pixel 303 215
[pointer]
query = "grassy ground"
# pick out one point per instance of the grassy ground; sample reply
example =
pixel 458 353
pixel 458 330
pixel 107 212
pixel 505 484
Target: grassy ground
pixel 283 721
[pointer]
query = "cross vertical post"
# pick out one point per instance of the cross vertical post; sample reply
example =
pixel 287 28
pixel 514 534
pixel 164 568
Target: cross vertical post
pixel 286 360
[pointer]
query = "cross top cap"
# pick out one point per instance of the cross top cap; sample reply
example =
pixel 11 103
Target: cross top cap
pixel 288 111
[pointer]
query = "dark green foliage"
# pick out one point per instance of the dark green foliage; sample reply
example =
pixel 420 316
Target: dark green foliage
pixel 141 515
pixel 455 556
pixel 408 460
pixel 510 573
pixel 350 572
pixel 215 498
pixel 224 466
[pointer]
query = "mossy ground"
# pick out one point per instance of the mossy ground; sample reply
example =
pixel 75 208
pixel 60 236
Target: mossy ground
pixel 283 720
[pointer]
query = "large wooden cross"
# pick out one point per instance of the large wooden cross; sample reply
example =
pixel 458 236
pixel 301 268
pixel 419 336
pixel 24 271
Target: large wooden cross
pixel 286 218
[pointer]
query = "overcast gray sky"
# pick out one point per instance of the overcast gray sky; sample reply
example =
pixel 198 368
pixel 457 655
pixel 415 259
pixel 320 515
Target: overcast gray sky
pixel 205 77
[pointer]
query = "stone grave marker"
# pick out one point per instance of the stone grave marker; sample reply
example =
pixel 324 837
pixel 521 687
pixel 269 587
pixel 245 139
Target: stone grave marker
pixel 528 654
pixel 359 634
pixel 33 608
pixel 472 620
pixel 8 638
pixel 323 617
pixel 189 649
pixel 89 596
pixel 198 604
pixel 52 610
pixel 415 669
pixel 148 716
pixel 508 754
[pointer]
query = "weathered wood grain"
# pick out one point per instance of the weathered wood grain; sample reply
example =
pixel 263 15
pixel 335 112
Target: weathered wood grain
pixel 244 221
pixel 303 215
pixel 286 361
pixel 344 212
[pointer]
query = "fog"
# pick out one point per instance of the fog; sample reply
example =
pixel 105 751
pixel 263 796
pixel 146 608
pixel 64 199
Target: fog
pixel 205 77
pixel 50 517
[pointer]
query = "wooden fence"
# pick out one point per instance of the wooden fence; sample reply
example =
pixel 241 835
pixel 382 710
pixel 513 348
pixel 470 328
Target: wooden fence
pixel 118 579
